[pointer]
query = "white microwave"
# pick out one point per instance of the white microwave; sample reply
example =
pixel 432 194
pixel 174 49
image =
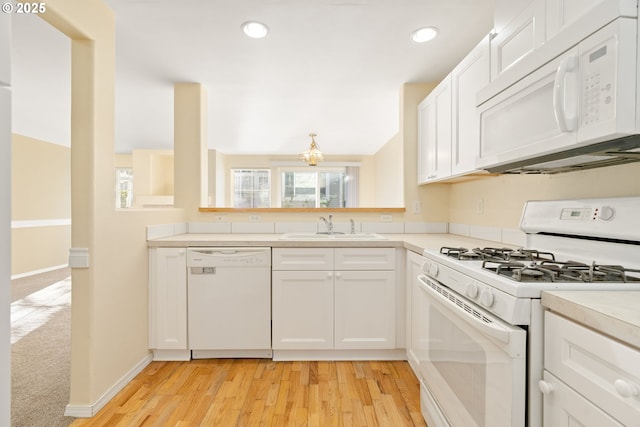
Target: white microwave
pixel 577 111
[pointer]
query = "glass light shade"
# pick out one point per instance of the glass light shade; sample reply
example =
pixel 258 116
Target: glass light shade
pixel 312 155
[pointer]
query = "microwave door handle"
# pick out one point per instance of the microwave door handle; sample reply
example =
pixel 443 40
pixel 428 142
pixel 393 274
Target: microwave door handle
pixel 567 65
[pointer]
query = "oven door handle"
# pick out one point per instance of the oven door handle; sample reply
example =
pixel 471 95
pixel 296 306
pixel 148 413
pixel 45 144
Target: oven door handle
pixel 492 329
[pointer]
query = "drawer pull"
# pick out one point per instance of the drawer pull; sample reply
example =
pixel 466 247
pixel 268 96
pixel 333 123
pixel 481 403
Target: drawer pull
pixel 625 389
pixel 545 387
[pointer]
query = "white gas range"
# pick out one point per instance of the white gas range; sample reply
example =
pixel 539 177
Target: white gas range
pixel 482 349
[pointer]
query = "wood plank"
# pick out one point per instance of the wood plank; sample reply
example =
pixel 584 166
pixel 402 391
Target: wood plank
pixel 264 393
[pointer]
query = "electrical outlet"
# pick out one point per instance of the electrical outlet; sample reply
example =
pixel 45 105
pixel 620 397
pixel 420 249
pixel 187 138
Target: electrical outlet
pixel 386 218
pixel 220 218
pixel 416 207
pixel 254 218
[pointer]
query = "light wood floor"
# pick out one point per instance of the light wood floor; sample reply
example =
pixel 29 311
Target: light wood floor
pixel 261 392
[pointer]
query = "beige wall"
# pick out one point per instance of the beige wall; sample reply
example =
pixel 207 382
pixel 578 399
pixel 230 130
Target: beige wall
pixel 152 172
pixel 503 196
pixel 41 192
pixel 388 174
pixel 110 298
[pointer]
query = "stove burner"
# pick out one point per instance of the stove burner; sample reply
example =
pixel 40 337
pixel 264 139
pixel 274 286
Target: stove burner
pixel 496 254
pixel 459 253
pixel 557 271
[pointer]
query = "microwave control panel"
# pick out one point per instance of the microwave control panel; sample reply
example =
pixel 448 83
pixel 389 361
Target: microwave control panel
pixel 598 82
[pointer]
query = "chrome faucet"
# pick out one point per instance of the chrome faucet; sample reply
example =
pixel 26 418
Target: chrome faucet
pixel 328 223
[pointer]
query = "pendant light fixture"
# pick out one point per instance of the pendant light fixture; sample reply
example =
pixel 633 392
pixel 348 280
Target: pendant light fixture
pixel 312 155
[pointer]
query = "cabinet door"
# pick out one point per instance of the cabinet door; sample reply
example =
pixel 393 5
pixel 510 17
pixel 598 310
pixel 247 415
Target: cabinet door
pixel 564 407
pixel 519 38
pixel 302 310
pixel 441 166
pixel 505 11
pixel 365 310
pixel 434 134
pixel 426 136
pixel 471 75
pixel 168 299
pixel 561 14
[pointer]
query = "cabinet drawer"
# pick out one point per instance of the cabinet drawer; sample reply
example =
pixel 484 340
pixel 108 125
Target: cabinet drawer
pixel 565 407
pixel 365 259
pixel 602 369
pixel 302 259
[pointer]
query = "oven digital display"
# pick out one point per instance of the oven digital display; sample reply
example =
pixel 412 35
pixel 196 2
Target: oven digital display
pixel 580 214
pixel 598 54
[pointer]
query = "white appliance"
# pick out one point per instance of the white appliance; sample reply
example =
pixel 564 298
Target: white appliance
pixel 577 109
pixel 483 347
pixel 229 302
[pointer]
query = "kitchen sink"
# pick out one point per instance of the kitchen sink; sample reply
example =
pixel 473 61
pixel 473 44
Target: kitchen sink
pixel 334 236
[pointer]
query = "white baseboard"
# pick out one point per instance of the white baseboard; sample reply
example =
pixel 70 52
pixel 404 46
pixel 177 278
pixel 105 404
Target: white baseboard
pixel 88 411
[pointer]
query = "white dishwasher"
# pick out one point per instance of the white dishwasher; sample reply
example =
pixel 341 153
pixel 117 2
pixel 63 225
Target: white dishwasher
pixel 229 302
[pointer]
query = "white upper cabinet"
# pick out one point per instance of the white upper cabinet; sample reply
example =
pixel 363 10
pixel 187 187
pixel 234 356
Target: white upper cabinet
pixel 505 11
pixel 471 75
pixel 426 136
pixel 562 14
pixel 448 123
pixel 434 134
pixel 519 38
pixel 5 49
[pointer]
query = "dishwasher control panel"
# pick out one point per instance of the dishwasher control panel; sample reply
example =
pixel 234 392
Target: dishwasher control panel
pixel 205 260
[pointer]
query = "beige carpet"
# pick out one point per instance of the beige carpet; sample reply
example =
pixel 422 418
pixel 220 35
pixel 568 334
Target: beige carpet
pixel 40 362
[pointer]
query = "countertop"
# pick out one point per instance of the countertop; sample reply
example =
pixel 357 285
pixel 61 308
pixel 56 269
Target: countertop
pixel 413 242
pixel 614 313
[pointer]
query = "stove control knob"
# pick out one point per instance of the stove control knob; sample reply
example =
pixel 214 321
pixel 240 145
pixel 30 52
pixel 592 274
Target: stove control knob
pixel 486 298
pixel 433 270
pixel 472 290
pixel 607 213
pixel 425 267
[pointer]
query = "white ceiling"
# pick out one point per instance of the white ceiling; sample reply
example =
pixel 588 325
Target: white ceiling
pixel 333 67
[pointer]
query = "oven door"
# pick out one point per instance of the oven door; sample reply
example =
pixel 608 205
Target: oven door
pixel 473 364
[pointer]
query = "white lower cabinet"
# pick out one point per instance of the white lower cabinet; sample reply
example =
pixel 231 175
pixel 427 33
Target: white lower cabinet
pixel 564 407
pixel 168 303
pixel 589 379
pixel 364 310
pixel 302 310
pixel 316 307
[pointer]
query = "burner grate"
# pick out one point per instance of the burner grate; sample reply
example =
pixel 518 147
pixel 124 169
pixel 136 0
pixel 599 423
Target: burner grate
pixel 557 271
pixel 496 254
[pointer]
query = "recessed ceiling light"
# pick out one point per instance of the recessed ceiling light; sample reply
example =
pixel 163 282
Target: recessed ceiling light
pixel 255 29
pixel 424 34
